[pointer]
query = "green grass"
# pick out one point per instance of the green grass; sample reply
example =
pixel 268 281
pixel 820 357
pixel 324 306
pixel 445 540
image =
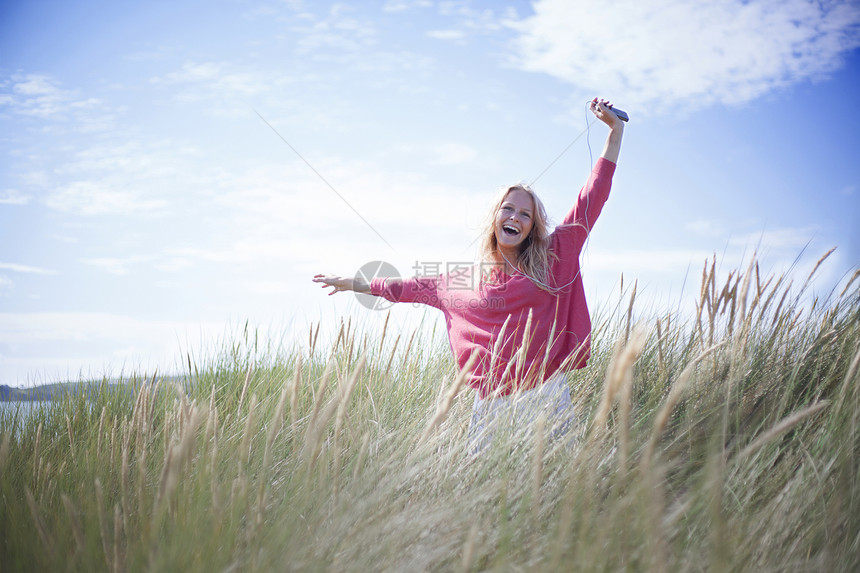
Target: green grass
pixel 728 442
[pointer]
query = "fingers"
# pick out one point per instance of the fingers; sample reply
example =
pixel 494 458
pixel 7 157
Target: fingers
pixel 597 102
pixel 331 281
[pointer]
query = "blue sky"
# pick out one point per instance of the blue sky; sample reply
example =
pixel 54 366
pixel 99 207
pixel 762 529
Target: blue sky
pixel 146 211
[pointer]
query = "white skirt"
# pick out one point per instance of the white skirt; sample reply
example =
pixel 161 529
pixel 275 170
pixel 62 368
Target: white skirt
pixel 520 411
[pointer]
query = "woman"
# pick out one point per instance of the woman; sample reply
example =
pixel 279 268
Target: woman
pixel 521 312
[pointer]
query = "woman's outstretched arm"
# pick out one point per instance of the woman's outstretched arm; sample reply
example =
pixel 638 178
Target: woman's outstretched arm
pixel 602 110
pixel 342 284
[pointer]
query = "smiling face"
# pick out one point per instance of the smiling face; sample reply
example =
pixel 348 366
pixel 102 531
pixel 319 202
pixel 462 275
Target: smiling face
pixel 513 222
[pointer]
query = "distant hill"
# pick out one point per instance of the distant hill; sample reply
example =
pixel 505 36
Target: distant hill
pixel 60 389
pixel 45 392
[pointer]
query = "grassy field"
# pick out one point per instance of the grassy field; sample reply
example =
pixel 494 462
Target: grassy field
pixel 725 442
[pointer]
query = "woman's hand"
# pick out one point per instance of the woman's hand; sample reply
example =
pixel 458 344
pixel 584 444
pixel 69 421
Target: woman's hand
pixel 342 284
pixel 602 109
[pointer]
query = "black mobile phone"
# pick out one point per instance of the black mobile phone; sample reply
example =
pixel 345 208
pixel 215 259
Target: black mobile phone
pixel 622 115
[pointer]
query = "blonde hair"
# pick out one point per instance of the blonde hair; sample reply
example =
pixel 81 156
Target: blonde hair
pixel 534 257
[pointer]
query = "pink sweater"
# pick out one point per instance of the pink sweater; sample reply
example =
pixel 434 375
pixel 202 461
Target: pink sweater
pixel 491 319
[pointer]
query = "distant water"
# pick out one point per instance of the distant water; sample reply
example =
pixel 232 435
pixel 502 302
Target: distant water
pixel 23 410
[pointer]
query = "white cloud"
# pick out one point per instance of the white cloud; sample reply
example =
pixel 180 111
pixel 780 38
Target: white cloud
pixel 791 239
pixel 98 198
pixel 692 53
pixel 27 269
pixel 339 31
pixel 704 228
pixel 95 344
pixel 402 5
pixel 455 35
pixel 216 78
pixel 116 265
pixel 13 197
pixel 643 260
pixel 41 96
pixel 128 178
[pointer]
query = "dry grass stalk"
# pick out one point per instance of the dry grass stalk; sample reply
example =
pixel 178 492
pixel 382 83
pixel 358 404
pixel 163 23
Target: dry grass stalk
pixel 141 481
pixel 442 410
pixel 742 297
pixel 625 390
pixel 362 453
pixel 341 414
pixel 391 356
pixel 782 426
pixel 316 337
pixel 294 395
pixel 77 528
pixel 347 339
pixel 776 315
pixel 467 562
pixel 112 440
pixel 213 474
pixel 136 410
pixel 630 311
pixel 773 290
pixel 408 350
pixel 123 480
pixel 177 455
pixel 537 466
pixel 312 446
pixel 497 345
pixel 347 394
pixel 349 344
pixel 677 390
pixel 815 268
pixel 244 390
pixel 384 330
pixel 619 374
pixel 4 451
pixel 245 449
pixel 71 436
pixel 277 423
pixel 237 490
pixel 700 304
pixel 522 353
pixel 656 532
pixel 319 394
pixel 849 283
pixel 117 537
pixel 549 345
pixel 101 429
pixel 759 289
pixel 661 360
pixel 210 420
pixel 102 526
pixel 36 456
pixel 47 542
pixel 849 382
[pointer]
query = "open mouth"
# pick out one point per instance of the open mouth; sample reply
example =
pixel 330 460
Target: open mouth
pixel 510 230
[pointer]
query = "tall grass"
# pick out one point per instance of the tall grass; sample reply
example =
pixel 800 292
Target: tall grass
pixel 728 441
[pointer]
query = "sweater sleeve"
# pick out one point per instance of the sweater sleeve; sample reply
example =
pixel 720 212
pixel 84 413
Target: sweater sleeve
pixel 423 290
pixel 591 197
